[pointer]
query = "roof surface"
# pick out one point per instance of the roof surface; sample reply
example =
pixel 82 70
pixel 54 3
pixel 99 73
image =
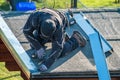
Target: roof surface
pixel 106 21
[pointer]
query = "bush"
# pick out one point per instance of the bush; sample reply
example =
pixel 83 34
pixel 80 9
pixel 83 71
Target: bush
pixel 4 6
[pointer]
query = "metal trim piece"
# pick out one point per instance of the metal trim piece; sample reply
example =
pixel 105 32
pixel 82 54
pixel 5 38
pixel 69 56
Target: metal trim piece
pixel 17 51
pixel 97 43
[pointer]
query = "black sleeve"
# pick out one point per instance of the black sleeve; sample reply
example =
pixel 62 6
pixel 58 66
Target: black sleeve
pixel 28 32
pixel 57 42
pixel 57 47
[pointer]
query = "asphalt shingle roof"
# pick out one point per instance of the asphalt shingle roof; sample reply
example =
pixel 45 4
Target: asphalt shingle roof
pixel 106 21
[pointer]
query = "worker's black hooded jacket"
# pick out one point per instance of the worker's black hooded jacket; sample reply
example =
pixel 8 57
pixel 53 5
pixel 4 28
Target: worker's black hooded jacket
pixel 33 24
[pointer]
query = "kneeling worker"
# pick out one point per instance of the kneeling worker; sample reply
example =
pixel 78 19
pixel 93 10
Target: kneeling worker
pixel 48 25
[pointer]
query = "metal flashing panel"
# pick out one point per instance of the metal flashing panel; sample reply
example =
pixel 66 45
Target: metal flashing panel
pixel 89 29
pixel 99 57
pixel 97 43
pixel 16 49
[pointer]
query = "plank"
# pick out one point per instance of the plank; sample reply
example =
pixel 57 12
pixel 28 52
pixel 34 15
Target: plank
pixel 12 66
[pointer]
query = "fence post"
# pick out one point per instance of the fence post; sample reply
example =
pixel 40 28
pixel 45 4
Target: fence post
pixel 73 3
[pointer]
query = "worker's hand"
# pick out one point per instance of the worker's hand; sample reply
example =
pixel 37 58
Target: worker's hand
pixel 43 67
pixel 40 53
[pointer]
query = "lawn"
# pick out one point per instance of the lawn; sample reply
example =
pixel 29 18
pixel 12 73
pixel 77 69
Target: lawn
pixel 4 73
pixel 66 4
pixel 100 3
pixel 87 3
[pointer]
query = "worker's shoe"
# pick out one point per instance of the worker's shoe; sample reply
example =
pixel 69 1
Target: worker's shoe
pixel 80 39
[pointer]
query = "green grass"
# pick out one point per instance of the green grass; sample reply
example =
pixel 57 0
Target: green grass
pixel 66 4
pixel 100 3
pixel 87 3
pixel 50 3
pixel 6 75
pixel 4 5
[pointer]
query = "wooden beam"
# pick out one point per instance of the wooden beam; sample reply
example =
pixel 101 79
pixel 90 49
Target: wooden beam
pixel 91 78
pixel 24 76
pixel 10 63
pixel 12 66
pixel 4 53
pixel 70 79
pixel 0 40
pixel 5 57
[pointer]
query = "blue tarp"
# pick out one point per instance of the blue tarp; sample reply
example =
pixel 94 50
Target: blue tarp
pixel 25 6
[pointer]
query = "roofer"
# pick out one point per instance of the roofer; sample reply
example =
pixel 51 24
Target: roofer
pixel 48 25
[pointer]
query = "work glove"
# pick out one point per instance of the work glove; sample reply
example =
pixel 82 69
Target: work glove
pixel 43 68
pixel 40 53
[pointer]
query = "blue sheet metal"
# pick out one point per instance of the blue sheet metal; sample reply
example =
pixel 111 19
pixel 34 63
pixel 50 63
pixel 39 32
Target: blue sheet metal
pixel 16 49
pixel 98 44
pixel 99 57
pixel 89 29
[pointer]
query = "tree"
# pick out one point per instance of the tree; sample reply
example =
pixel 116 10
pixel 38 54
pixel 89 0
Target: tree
pixel 117 1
